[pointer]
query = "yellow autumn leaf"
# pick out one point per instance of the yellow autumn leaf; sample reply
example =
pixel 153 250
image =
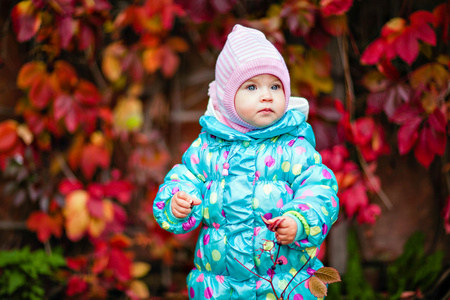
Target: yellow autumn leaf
pixel 430 73
pixel 111 63
pixel 108 210
pixel 76 214
pixel 140 269
pixel 128 114
pixel 25 134
pixel 140 289
pixel 96 227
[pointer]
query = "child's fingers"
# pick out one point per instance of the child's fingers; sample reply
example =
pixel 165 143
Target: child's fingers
pixel 195 201
pixel 181 212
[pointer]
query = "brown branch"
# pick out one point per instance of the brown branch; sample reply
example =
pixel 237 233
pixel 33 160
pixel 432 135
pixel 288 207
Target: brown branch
pixel 350 100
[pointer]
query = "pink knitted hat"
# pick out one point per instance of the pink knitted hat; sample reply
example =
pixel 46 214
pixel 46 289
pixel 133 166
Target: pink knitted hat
pixel 247 53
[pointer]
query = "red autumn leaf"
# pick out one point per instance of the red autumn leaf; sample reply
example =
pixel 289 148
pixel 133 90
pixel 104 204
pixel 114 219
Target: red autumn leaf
pixel 437 121
pixel 35 121
pixel 87 93
pixel 41 91
pixel 95 207
pixel 86 37
pixel 76 263
pixel 119 264
pixel 76 285
pixel 65 107
pixel 26 20
pixel 8 135
pixel 335 7
pixel 45 225
pixel 369 214
pixel 354 198
pixel 92 157
pixel 437 141
pixel 29 73
pixel 374 52
pixel 170 62
pixel 407 134
pixel 63 7
pixel 362 130
pixel 119 189
pixel 66 27
pixel 407 46
pixel 422 151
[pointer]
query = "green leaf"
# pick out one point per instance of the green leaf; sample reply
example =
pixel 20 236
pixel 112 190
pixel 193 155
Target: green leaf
pixel 16 280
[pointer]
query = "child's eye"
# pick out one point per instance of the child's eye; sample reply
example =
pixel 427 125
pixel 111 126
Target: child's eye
pixel 276 87
pixel 251 87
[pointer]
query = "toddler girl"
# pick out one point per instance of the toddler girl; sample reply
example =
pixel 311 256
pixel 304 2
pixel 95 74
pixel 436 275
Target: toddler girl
pixel 253 160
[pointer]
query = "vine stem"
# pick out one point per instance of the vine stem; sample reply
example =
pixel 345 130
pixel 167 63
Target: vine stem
pixel 282 294
pixel 350 99
pixel 268 280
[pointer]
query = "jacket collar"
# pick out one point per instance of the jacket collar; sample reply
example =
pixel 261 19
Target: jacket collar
pixel 293 122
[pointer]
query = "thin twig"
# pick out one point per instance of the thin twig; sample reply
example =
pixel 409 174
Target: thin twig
pixel 350 98
pixel 284 291
pixel 343 49
pixel 378 190
pixel 65 168
pixel 251 270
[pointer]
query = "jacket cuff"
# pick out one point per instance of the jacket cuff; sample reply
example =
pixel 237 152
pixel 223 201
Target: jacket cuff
pixel 301 232
pixel 170 217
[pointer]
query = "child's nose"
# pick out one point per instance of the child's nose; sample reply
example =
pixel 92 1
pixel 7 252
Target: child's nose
pixel 266 95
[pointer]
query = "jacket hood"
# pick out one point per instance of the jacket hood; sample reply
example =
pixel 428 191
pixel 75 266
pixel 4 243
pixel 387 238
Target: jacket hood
pixel 293 123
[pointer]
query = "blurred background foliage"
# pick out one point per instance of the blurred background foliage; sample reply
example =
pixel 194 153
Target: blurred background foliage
pixel 100 97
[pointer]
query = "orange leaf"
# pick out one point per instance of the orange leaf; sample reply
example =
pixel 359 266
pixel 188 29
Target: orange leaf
pixel 64 77
pixel 178 44
pixel 120 241
pixel 317 287
pixel 26 20
pixel 8 135
pixel 29 73
pixel 45 225
pixel 328 275
pixel 151 59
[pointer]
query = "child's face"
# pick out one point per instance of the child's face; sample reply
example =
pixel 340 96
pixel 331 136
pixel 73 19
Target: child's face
pixel 260 101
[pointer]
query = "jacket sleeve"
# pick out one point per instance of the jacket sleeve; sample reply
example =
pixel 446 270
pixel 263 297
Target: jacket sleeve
pixel 315 203
pixel 185 177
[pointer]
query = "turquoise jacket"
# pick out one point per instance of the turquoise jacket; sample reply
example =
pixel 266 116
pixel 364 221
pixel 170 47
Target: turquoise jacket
pixel 240 177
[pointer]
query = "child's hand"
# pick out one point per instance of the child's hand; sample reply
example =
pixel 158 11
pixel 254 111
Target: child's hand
pixel 286 231
pixel 182 204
